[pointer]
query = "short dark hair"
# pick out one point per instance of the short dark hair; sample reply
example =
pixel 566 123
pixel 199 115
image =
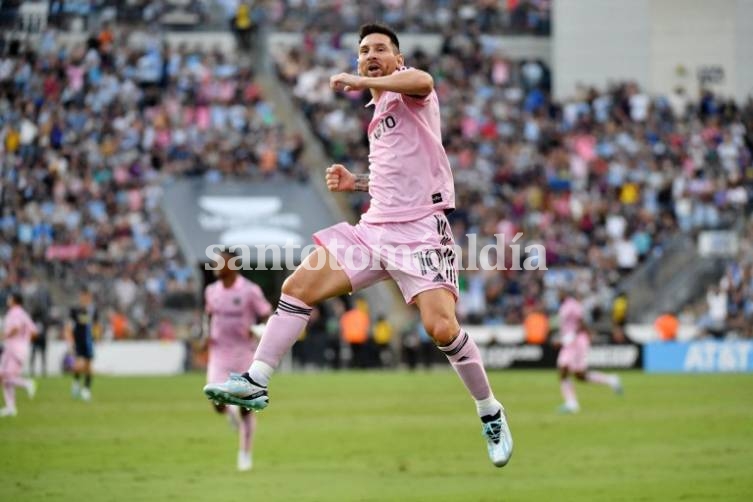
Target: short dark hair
pixel 368 29
pixel 17 298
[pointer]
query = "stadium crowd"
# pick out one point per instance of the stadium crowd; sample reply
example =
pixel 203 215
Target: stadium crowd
pixel 90 134
pixel 602 180
pixel 529 17
pixel 489 16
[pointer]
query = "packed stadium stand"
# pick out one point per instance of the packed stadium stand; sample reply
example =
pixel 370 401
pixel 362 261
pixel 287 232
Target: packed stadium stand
pixel 512 16
pixel 91 135
pixel 609 181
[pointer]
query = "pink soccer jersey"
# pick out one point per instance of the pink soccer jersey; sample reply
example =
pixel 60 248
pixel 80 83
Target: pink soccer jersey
pixel 409 173
pixel 233 311
pixel 18 344
pixel 570 314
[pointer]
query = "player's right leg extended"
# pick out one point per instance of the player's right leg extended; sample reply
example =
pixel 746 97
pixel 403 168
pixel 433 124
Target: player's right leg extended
pixel 315 280
pixel 437 307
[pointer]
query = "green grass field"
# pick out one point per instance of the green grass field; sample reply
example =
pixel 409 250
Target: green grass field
pixel 384 437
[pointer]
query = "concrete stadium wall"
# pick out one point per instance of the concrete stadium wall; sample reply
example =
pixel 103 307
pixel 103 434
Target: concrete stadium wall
pixel 658 43
pixel 744 49
pixel 684 41
pixel 598 41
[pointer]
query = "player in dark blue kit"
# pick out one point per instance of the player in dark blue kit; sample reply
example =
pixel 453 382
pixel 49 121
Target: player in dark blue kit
pixel 79 333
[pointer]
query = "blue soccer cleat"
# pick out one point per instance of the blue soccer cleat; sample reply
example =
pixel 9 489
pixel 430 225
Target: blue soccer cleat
pixel 239 390
pixel 568 409
pixel 617 387
pixel 498 438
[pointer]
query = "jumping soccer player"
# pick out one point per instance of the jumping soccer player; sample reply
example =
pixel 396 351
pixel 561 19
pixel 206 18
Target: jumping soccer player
pixel 18 330
pixel 412 190
pixel 234 304
pixel 79 333
pixel 573 356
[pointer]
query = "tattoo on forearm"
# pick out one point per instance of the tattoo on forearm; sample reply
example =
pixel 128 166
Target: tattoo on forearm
pixel 362 183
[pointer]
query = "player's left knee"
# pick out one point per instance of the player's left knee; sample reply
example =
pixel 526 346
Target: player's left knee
pixel 442 329
pixel 292 286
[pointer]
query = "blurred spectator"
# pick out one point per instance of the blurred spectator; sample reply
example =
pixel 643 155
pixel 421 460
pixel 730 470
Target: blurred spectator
pixel 536 328
pixel 335 308
pixel 714 322
pixel 382 336
pixel 418 347
pixel 312 348
pixel 619 317
pixel 243 25
pixel 410 345
pixel 119 325
pixel 354 326
pixel 667 325
pixel 166 330
pixel 38 303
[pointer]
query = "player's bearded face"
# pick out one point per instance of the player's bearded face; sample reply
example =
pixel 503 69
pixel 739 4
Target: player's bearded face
pixel 377 56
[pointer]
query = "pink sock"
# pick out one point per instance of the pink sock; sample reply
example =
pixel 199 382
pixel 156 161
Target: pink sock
pixel 568 391
pixel 9 393
pixel 246 431
pixel 18 382
pixel 599 377
pixel 282 331
pixel 466 360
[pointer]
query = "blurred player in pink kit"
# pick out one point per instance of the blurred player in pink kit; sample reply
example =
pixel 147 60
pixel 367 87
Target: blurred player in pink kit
pixel 411 192
pixel 17 332
pixel 234 304
pixel 573 356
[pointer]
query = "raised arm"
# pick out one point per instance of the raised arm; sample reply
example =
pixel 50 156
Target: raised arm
pixel 411 82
